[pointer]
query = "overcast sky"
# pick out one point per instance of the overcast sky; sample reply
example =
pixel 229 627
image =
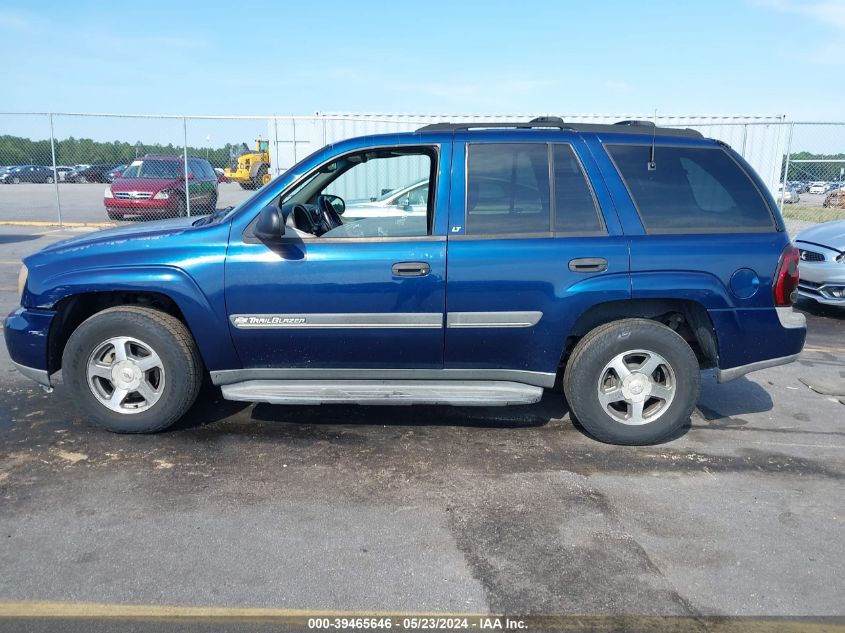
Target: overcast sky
pixel 180 56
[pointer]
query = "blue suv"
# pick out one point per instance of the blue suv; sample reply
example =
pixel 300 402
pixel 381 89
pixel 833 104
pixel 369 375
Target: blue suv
pixel 614 261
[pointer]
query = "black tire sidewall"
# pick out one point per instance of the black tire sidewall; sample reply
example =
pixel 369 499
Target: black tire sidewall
pixel 582 377
pixel 177 366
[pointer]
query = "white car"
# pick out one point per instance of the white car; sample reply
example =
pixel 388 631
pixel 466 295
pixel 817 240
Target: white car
pixel 819 187
pixel 410 200
pixel 789 196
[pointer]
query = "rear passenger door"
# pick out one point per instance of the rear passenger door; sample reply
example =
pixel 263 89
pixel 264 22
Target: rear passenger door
pixel 533 242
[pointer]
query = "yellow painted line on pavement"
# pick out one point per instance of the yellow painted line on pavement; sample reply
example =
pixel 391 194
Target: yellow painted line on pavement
pixel 64 225
pixel 824 349
pixel 37 609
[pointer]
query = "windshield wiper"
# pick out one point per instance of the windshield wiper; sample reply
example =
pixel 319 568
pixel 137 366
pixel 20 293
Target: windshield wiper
pixel 213 217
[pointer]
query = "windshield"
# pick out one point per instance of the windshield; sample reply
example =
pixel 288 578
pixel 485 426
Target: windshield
pixel 152 169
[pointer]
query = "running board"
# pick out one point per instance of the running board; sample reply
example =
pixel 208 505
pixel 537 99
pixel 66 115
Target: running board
pixel 464 393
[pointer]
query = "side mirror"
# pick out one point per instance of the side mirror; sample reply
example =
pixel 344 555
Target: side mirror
pixel 271 224
pixel 337 202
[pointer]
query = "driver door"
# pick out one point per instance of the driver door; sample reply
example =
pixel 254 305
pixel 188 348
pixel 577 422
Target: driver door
pixel 363 297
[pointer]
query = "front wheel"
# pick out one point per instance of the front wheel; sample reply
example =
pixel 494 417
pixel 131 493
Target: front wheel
pixel 633 382
pixel 132 369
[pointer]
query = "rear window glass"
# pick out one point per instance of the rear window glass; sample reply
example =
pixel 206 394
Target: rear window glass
pixel 575 207
pixel 147 168
pixel 691 190
pixel 508 188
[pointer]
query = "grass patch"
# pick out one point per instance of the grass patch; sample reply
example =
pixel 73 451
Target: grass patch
pixel 812 214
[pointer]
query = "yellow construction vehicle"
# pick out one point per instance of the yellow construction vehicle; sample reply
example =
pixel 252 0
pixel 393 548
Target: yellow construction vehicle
pixel 251 170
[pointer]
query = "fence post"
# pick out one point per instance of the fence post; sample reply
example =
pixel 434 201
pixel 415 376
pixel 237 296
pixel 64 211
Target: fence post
pixel 55 173
pixel 185 165
pixel 276 133
pixel 786 168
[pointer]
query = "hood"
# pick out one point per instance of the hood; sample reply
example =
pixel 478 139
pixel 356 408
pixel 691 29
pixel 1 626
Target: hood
pixel 120 236
pixel 143 184
pixel 830 234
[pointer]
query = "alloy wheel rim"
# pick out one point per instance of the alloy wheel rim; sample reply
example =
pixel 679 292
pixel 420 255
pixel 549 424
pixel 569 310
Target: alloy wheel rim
pixel 125 375
pixel 636 387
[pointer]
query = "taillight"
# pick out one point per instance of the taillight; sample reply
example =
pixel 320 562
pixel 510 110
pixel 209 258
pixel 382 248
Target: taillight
pixel 786 277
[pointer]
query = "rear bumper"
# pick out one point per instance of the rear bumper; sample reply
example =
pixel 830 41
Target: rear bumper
pixel 754 339
pixel 26 332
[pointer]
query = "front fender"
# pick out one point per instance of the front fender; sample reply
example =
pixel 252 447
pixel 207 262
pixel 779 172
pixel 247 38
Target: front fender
pixel 207 324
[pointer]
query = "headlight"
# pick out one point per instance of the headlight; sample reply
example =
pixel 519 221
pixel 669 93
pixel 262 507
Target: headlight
pixel 22 275
pixel 161 195
pixel 107 193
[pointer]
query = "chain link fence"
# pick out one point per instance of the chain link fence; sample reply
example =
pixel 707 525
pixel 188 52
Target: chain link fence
pixel 92 168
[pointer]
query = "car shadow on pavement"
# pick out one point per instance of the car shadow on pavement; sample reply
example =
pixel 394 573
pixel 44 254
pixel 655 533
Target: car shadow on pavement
pixel 722 406
pixel 13 238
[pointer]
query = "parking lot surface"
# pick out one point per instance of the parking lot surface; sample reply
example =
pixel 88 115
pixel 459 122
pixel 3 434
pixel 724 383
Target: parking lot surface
pixel 79 202
pixel 432 508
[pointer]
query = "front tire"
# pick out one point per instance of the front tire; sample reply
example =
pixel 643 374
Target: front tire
pixel 632 382
pixel 132 369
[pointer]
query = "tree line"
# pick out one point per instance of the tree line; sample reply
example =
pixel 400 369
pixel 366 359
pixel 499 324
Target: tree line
pixel 813 170
pixel 16 150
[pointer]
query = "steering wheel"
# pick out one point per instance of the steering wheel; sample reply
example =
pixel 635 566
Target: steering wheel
pixel 330 215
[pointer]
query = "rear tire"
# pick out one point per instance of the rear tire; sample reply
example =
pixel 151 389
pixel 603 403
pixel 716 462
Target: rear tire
pixel 632 382
pixel 212 205
pixel 49 180
pixel 159 399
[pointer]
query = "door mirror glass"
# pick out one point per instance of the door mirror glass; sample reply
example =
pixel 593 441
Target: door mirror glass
pixel 270 225
pixel 337 202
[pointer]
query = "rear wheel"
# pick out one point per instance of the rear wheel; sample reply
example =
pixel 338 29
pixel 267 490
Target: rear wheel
pixel 132 369
pixel 262 177
pixel 212 204
pixel 632 382
pixel 179 207
pixel 16 181
pixel 49 180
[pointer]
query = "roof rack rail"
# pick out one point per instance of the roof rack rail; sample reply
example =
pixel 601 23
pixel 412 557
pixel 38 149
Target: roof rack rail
pixel 621 127
pixel 538 122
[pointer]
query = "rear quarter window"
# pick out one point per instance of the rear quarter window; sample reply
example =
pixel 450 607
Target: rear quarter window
pixel 692 190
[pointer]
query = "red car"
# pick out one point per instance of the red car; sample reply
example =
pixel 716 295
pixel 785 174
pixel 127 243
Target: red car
pixel 154 186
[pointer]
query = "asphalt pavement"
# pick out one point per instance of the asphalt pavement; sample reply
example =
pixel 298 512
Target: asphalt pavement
pixel 430 508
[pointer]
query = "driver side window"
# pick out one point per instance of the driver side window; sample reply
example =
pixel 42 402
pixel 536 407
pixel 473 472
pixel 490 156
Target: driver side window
pixel 372 183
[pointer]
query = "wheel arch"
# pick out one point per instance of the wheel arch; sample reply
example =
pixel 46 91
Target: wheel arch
pixel 686 317
pixel 164 288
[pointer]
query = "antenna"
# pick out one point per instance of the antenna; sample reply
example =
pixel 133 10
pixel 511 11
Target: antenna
pixel 652 166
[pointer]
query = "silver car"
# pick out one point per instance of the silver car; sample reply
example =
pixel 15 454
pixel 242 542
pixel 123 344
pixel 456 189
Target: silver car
pixel 789 195
pixel 822 263
pixel 410 200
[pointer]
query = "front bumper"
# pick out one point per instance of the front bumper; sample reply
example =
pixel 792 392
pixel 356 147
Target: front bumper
pixel 823 281
pixel 26 332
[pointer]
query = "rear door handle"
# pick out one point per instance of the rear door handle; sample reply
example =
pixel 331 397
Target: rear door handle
pixel 588 265
pixel 411 269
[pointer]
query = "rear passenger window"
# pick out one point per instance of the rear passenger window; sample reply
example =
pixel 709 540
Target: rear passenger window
pixel 508 188
pixel 692 189
pixel 575 206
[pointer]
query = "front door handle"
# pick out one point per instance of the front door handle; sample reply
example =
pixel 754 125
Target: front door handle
pixel 411 269
pixel 588 265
